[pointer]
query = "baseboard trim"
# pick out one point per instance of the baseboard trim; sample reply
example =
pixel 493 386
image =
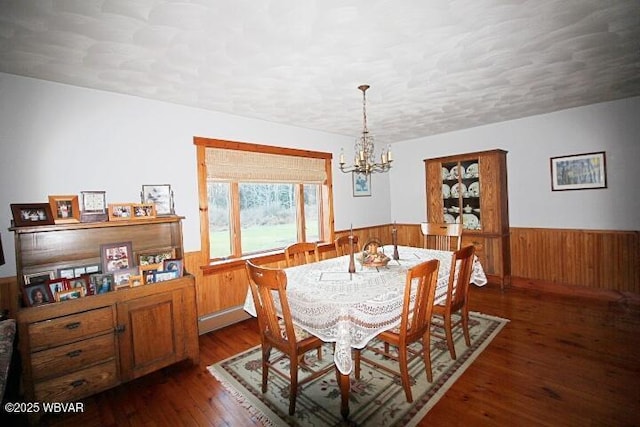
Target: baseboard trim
pixel 581 291
pixel 220 319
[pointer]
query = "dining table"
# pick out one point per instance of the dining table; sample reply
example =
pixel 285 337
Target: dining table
pixel 350 309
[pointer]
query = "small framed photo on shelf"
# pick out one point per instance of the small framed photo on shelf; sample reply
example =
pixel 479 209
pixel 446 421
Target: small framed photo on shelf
pixel 57 285
pixel 122 278
pixel 80 282
pixel 361 184
pixel 94 206
pixel 144 210
pixel 163 276
pixel 35 295
pixel 69 294
pixel 161 196
pixel 65 209
pixel 66 273
pixel 116 256
pixel 156 257
pixel 120 211
pixel 39 278
pixel 102 283
pixel 579 172
pixel 172 264
pixel 147 272
pixel 29 214
pixel 136 280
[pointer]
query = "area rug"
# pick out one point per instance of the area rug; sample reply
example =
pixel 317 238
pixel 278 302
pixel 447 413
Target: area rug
pixel 376 399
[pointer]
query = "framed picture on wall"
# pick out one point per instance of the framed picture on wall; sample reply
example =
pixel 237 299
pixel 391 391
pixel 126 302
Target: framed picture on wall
pixel 579 172
pixel 361 184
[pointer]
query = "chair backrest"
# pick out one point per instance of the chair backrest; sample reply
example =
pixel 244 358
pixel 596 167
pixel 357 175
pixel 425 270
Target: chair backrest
pixel 460 276
pixel 342 245
pixel 443 237
pixel 416 318
pixel 265 283
pixel 301 253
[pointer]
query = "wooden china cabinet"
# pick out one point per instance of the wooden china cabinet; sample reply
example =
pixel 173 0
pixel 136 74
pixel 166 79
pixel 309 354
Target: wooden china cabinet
pixel 471 188
pixel 75 348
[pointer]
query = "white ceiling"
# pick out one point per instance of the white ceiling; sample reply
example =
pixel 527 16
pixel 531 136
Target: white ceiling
pixel 433 66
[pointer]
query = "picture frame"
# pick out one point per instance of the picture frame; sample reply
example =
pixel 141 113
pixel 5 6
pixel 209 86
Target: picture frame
pixel 579 171
pixel 361 184
pixel 120 211
pixel 41 277
pixel 94 206
pixel 57 285
pixel 156 257
pixel 102 283
pixel 148 273
pixel 163 276
pixel 122 278
pixel 80 282
pixel 161 196
pixel 136 280
pixel 143 210
pixel 173 264
pixel 66 273
pixel 30 214
pixel 69 294
pixel 36 295
pixel 116 256
pixel 65 209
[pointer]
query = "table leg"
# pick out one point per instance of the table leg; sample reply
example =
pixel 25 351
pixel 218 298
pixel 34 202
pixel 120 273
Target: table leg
pixel 343 380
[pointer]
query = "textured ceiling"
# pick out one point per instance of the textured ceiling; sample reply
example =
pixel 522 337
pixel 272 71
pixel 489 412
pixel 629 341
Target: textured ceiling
pixel 433 66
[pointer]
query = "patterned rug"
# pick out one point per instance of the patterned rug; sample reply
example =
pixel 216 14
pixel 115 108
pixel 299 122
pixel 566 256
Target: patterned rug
pixel 377 398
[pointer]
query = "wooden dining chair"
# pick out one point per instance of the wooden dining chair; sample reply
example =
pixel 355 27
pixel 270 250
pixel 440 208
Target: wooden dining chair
pixel 457 300
pixel 414 327
pixel 277 331
pixel 342 245
pixel 443 237
pixel 301 253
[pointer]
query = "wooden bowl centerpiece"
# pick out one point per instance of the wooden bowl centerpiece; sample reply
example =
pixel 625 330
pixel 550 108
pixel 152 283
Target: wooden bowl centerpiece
pixel 373 255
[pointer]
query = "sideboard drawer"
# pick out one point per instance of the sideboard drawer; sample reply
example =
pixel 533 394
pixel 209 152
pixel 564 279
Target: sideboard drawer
pixel 72 357
pixel 77 385
pixel 62 330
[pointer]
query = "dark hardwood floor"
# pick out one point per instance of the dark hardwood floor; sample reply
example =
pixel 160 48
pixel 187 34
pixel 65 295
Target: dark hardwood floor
pixel 561 361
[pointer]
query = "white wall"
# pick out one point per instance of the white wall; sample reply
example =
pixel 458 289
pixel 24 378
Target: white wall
pixel 61 139
pixel 613 127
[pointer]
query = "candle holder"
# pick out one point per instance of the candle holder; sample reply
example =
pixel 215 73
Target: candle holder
pixel 352 261
pixel 394 239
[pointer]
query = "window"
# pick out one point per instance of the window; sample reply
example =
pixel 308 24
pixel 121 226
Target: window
pixel 261 198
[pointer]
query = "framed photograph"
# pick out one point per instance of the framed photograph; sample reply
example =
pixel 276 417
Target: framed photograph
pixel 144 210
pixel 136 280
pixel 156 257
pixel 148 272
pixel 101 283
pixel 69 294
pixel 39 278
pixel 66 273
pixel 57 285
pixel 80 283
pixel 28 214
pixel 122 278
pixel 579 172
pixel 163 276
pixel 120 211
pixel 161 196
pixel 94 206
pixel 35 295
pixel 65 209
pixel 116 256
pixel 172 264
pixel 361 184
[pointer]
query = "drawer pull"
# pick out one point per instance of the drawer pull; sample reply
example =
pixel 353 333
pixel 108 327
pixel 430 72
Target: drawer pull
pixel 74 325
pixel 78 383
pixel 74 353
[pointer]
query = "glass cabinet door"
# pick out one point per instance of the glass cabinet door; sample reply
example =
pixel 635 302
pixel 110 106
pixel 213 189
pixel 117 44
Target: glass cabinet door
pixel 461 193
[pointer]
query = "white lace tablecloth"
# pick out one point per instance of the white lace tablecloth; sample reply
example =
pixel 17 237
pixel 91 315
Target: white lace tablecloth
pixel 350 309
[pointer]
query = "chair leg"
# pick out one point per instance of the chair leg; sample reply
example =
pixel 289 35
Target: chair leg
pixel 426 355
pixel 266 354
pixel 465 326
pixel 404 372
pixel 449 334
pixel 293 387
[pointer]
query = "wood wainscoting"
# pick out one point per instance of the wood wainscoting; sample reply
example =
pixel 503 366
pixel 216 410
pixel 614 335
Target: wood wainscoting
pixel 598 263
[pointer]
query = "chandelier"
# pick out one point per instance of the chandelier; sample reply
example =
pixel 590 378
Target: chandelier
pixel 364 148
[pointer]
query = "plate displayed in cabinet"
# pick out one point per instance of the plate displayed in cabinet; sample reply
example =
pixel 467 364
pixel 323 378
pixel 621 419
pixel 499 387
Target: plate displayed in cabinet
pixel 458 189
pixel 445 173
pixel 446 191
pixel 474 189
pixel 472 170
pixel 471 221
pixel 449 219
pixel 457 171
